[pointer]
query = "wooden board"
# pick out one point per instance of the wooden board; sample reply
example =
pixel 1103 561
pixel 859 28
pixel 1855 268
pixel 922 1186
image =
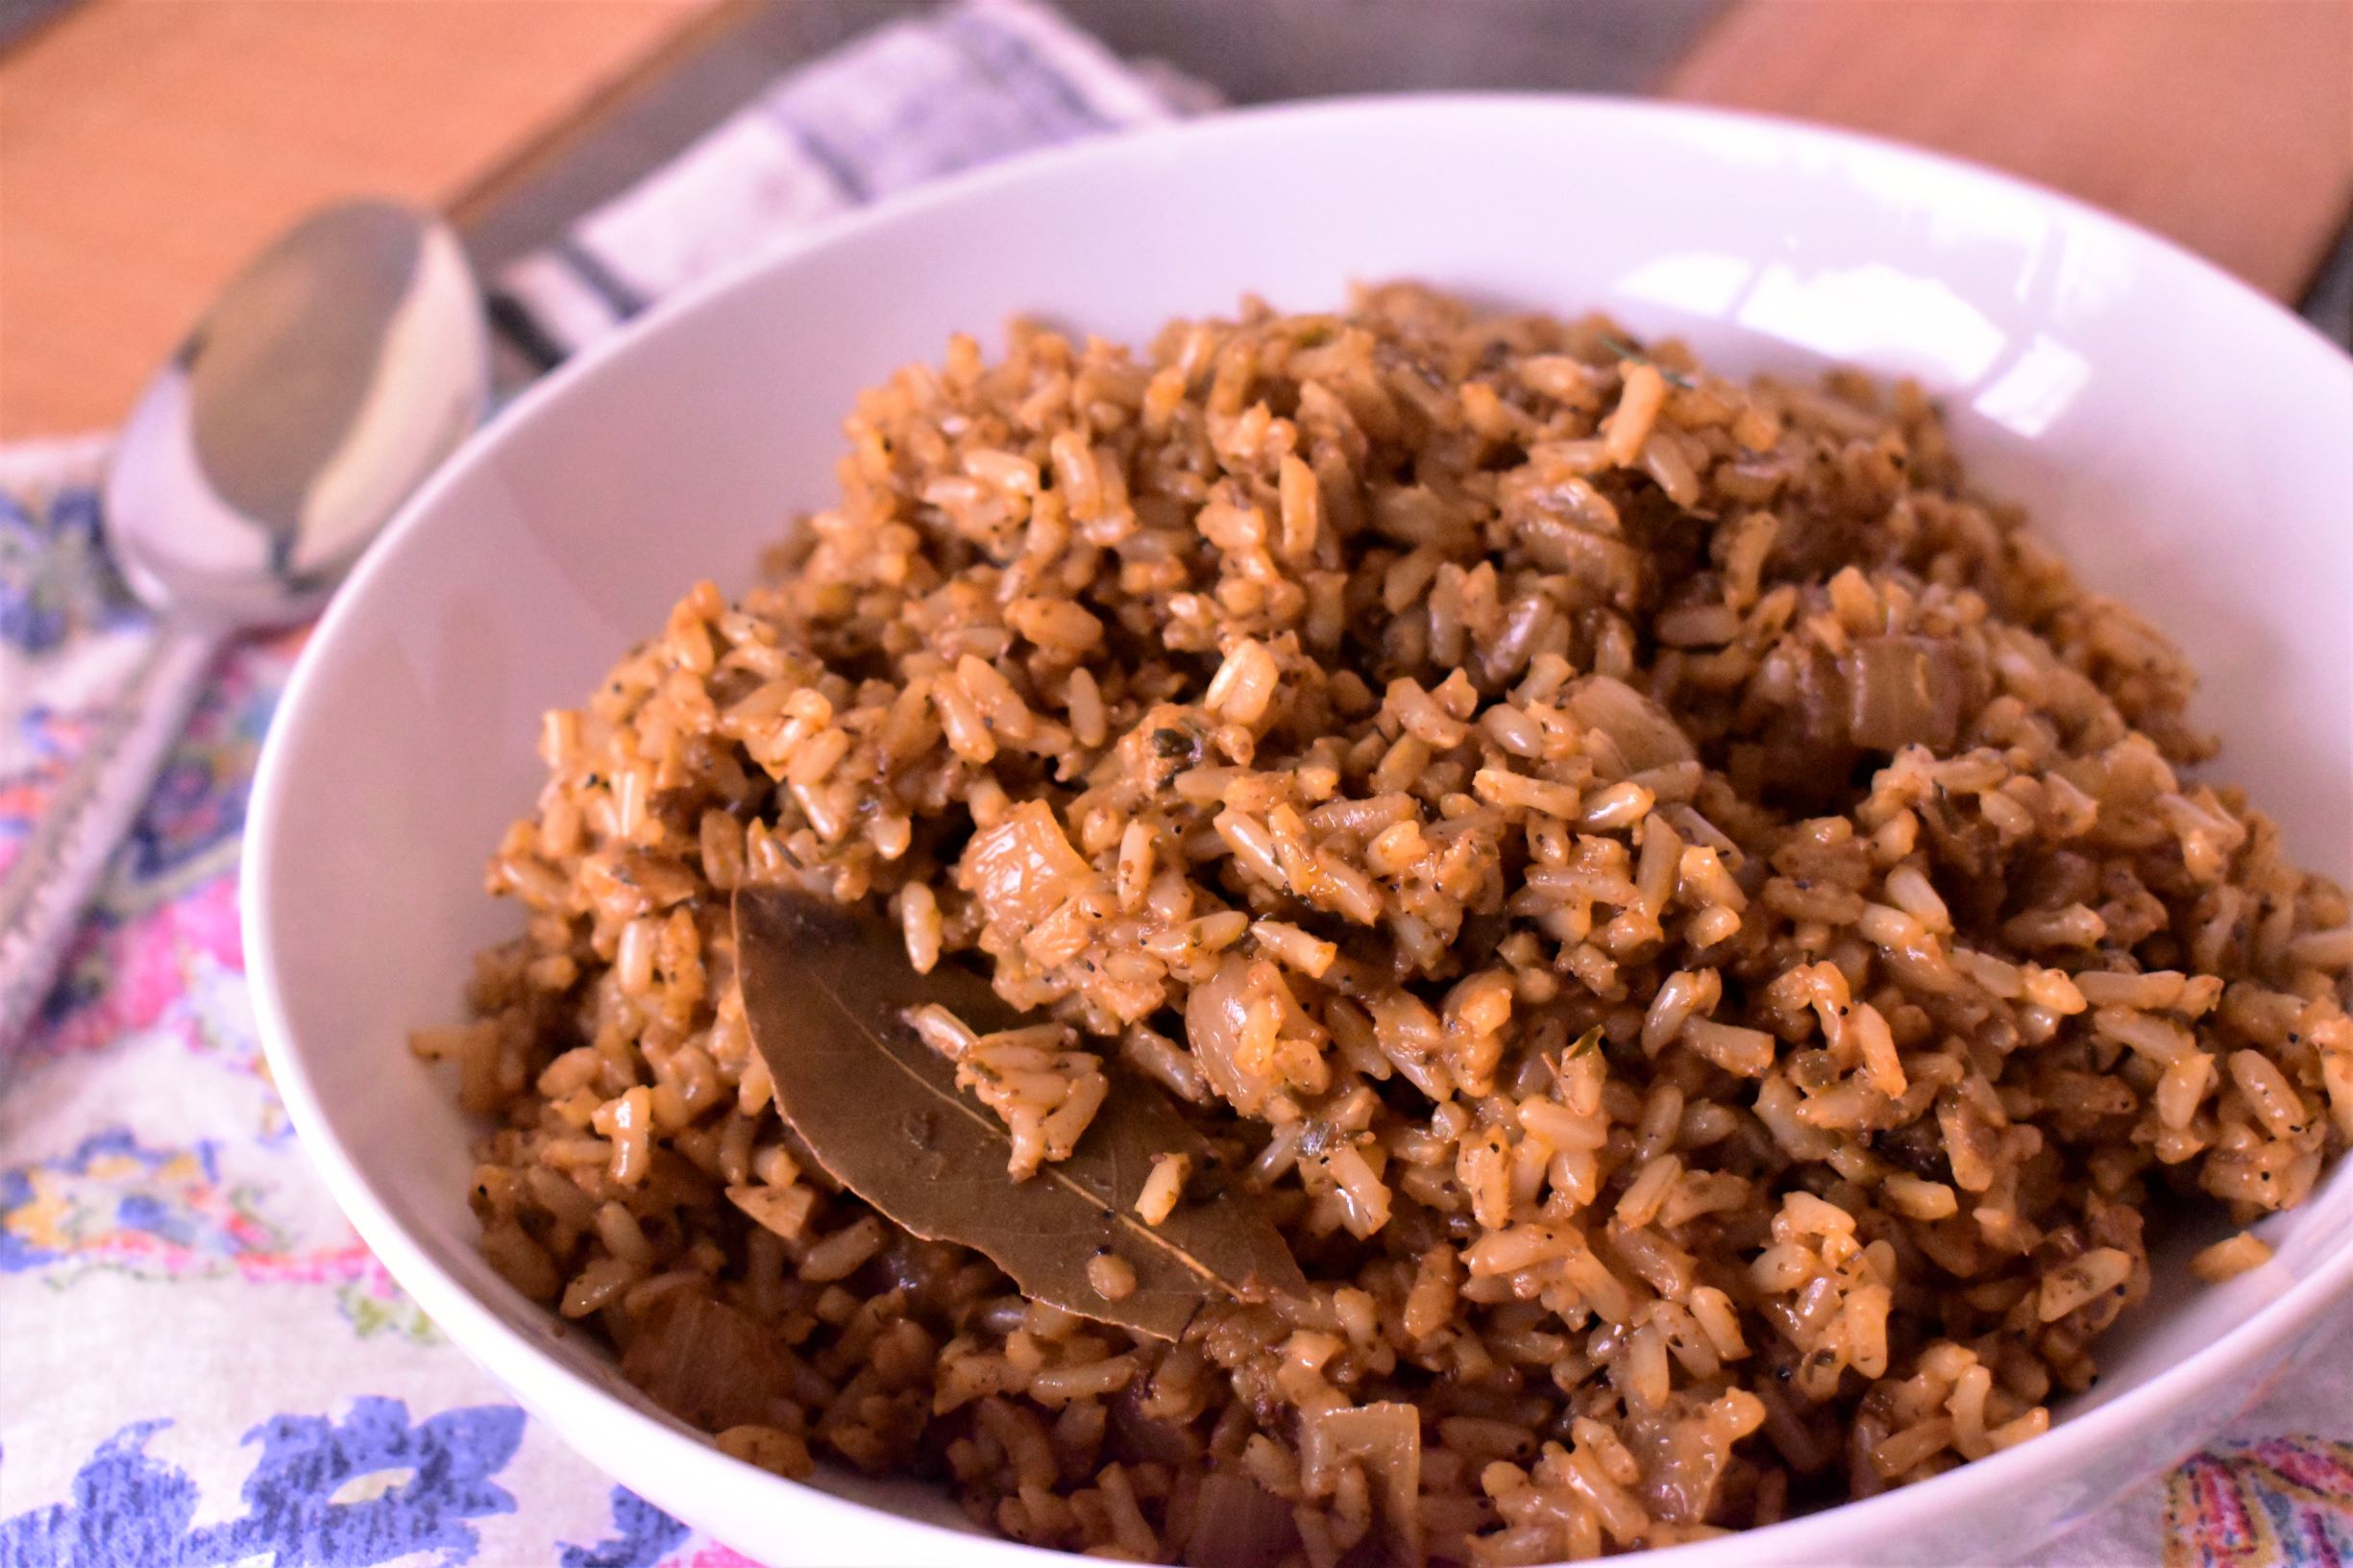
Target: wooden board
pixel 2224 124
pixel 149 147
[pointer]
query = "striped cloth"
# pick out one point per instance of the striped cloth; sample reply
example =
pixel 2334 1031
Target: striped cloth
pixel 904 104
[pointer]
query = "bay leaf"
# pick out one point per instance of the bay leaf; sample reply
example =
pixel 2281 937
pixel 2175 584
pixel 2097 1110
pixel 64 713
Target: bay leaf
pixel 827 991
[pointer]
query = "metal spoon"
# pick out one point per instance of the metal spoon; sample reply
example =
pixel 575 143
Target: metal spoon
pixel 333 374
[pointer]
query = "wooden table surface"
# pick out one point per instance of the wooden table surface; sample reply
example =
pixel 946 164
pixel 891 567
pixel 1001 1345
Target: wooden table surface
pixel 147 147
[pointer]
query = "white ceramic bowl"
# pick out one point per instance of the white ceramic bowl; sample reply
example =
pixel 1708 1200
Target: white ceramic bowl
pixel 2190 443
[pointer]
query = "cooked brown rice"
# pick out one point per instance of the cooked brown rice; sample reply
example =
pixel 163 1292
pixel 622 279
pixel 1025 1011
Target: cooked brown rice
pixel 1697 923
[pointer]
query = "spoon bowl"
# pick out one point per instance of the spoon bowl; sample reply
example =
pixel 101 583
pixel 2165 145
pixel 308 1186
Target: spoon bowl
pixel 329 377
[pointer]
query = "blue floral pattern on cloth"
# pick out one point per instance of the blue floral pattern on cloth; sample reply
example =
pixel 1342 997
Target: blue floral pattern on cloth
pixel 153 1206
pixel 112 1197
pixel 375 1486
pixel 323 1494
pixel 641 1534
pixel 67 624
pixel 199 800
pixel 56 579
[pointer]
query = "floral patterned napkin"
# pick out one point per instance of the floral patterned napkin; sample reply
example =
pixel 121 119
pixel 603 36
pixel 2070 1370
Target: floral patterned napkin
pixel 200 1363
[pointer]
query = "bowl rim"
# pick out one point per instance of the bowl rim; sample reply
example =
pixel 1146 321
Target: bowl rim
pixel 541 1383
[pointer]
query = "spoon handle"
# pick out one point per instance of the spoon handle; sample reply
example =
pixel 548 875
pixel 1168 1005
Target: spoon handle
pixel 42 898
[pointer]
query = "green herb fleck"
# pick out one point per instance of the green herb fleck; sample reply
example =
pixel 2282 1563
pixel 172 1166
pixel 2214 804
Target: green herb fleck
pixel 1628 351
